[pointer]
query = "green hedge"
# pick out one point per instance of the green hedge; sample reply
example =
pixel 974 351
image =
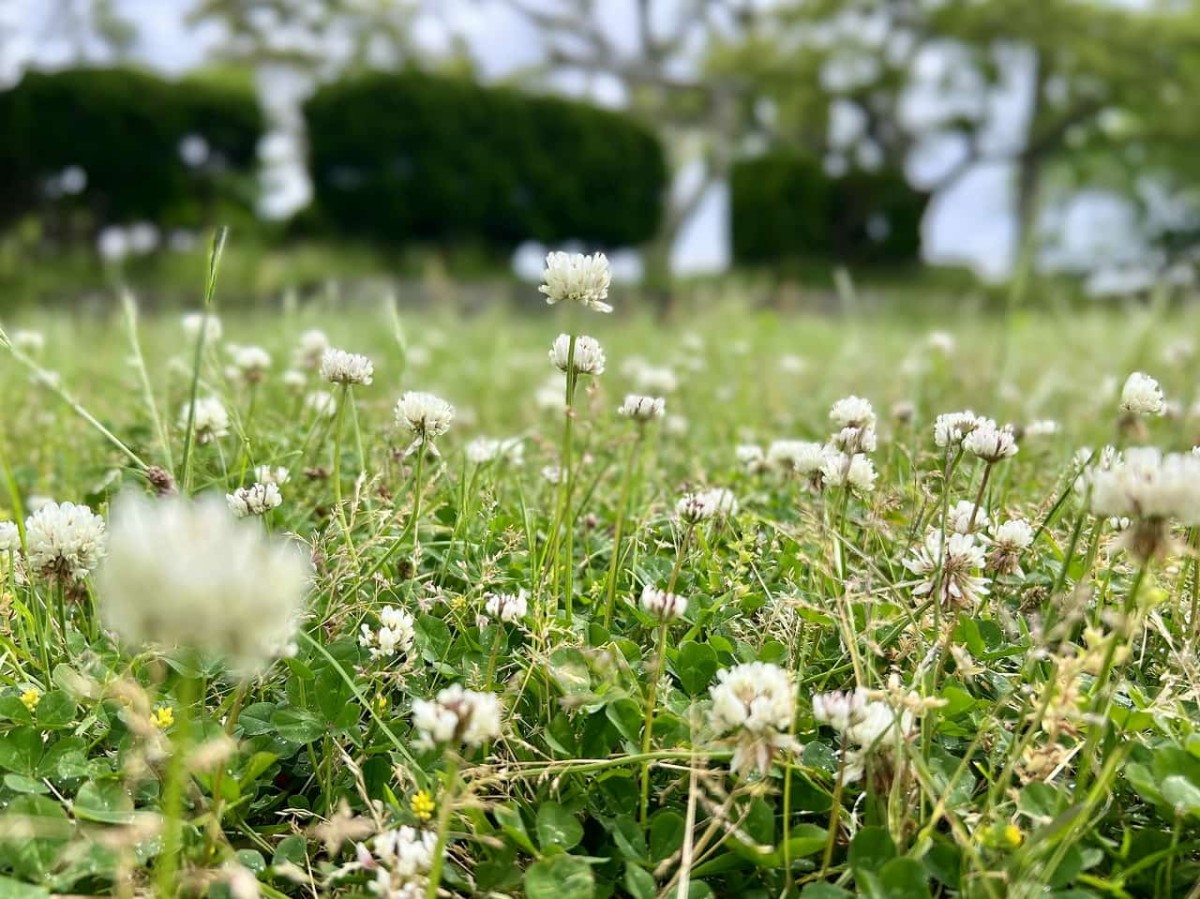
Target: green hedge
pixel 123 128
pixel 414 158
pixel 784 209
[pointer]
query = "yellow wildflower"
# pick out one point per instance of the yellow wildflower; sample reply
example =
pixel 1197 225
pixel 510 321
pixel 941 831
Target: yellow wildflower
pixel 422 805
pixel 163 717
pixel 31 697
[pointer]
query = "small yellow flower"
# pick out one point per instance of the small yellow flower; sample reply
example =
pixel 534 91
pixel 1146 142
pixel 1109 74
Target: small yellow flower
pixel 163 717
pixel 422 805
pixel 381 701
pixel 30 698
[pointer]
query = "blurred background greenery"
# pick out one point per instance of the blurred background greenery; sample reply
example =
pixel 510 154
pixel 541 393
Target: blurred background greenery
pixel 441 143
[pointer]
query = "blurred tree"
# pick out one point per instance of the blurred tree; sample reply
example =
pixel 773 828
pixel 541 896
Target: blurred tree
pixel 1070 93
pixel 703 116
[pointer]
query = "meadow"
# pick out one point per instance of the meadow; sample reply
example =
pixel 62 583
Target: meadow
pixel 732 606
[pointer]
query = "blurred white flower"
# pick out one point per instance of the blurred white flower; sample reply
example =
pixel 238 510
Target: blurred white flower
pixel 186 573
pixel 960 518
pixel 310 349
pixel 211 420
pixel 642 408
pixel 1005 545
pixel 265 474
pixel 30 342
pixel 482 450
pixel 250 363
pixel 662 605
pixel 194 321
pixel 576 278
pixel 322 403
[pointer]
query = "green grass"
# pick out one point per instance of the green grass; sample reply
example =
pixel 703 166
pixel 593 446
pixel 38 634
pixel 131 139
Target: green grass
pixel 1032 769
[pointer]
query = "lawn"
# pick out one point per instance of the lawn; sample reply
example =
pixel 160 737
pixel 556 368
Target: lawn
pixel 435 632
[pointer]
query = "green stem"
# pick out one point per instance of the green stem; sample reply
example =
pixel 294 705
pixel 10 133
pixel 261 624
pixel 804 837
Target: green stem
pixel 648 727
pixel 443 828
pixel 168 864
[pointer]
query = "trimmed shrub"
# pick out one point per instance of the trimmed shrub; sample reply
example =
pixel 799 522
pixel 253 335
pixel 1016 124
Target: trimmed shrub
pixel 785 209
pixel 415 158
pixel 124 129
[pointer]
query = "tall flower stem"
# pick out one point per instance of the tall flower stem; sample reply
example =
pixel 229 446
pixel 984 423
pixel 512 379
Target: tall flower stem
pixel 343 399
pixel 564 566
pixel 983 482
pixel 491 666
pixel 619 528
pixel 648 727
pixel 443 828
pixel 167 867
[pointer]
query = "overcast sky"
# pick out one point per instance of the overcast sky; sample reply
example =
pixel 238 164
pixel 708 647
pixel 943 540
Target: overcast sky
pixel 971 224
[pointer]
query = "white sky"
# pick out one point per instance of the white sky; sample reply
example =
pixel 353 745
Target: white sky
pixel 972 224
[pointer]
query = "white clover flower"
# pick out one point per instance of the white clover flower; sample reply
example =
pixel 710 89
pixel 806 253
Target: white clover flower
pixel 869 728
pixel 186 573
pixel 482 450
pixel 675 425
pixel 321 403
pixel 257 499
pixel 903 411
pixel 693 508
pixel 951 428
pixel 756 704
pixel 941 342
pixel 853 441
pixel 751 457
pixel 293 380
pixel 552 474
pixel 10 537
pixel 642 408
pixel 662 605
pixel 310 349
pixel 856 472
pixel 1007 542
pixel 1179 351
pixel 1150 489
pixel 655 379
pixel 265 474
pixel 1141 395
pixel 838 709
pixel 425 416
pixel 193 322
pixel 791 364
pixel 457 716
pixel 964 518
pixel 550 395
pixel 507 607
pixel 576 278
pixel 955 578
pixel 64 541
pixel 852 412
pixel 394 636
pixel 211 420
pixel 30 342
pixel 804 457
pixel 407 851
pixel 588 359
pixel 250 363
pixel 340 367
pixel 991 443
pixel 1042 427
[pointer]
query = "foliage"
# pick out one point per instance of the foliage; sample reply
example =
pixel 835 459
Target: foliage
pixel 1032 769
pixel 416 158
pixel 123 129
pixel 784 208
